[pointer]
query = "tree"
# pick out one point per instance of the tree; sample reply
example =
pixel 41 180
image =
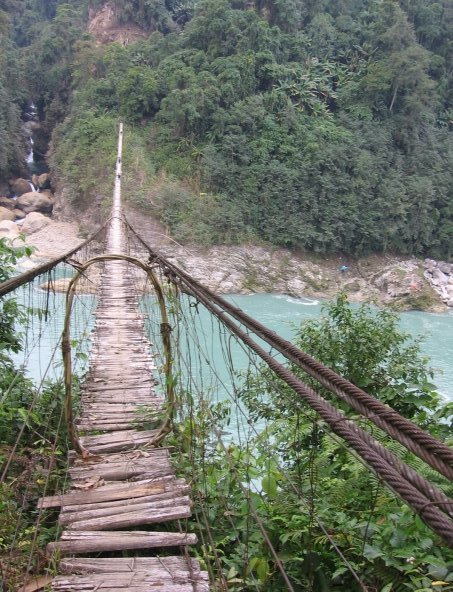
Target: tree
pixel 310 478
pixel 12 145
pixel 398 75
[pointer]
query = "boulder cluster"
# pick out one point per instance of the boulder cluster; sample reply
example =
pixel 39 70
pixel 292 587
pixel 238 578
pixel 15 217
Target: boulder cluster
pixel 27 197
pixel 440 275
pixel 28 208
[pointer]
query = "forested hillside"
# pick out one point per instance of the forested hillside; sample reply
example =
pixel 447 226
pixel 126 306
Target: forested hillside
pixel 320 126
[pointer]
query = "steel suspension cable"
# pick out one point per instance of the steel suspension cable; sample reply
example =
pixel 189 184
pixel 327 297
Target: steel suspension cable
pixel 26 277
pixel 338 440
pixel 382 461
pixel 422 444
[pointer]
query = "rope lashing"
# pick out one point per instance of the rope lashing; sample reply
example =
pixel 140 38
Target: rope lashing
pixel 66 350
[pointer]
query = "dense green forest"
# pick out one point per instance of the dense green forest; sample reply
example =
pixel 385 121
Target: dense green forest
pixel 320 126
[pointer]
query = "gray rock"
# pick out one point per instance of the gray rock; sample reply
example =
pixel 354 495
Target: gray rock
pixel 295 287
pixel 36 202
pixel 9 230
pixel 439 278
pixel 34 222
pixel 444 267
pixel 6 214
pixel 398 291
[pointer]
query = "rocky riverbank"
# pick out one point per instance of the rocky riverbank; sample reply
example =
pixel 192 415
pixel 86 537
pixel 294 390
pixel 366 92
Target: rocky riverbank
pixel 401 283
pixel 26 215
pixel 404 284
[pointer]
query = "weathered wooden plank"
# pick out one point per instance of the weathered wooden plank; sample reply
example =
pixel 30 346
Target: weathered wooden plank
pixel 130 473
pixel 141 505
pixel 152 454
pixel 120 473
pixel 172 566
pixel 101 463
pixel 123 579
pixel 87 587
pixel 100 541
pixel 150 515
pixel 103 493
pixel 143 458
pixel 115 441
pixel 129 436
pixel 105 410
pixel 117 427
pixel 172 489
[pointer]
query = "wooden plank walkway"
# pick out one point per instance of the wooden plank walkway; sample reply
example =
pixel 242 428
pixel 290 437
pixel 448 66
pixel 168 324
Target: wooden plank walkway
pixel 120 495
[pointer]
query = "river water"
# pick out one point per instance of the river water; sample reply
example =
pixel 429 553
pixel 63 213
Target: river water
pixel 279 313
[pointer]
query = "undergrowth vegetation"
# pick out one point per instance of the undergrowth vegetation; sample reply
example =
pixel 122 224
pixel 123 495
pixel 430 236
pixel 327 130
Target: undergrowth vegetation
pixel 331 521
pixel 33 446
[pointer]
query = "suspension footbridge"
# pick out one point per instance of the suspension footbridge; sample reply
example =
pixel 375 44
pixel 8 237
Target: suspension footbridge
pixel 125 512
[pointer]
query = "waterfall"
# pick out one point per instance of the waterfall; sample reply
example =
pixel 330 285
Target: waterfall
pixel 30 156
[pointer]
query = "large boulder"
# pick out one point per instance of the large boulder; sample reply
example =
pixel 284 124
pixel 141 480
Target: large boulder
pixel 6 214
pixel 44 181
pixel 445 267
pixel 7 202
pixel 34 222
pixel 20 186
pixel 9 230
pixel 18 213
pixel 36 202
pixel 439 278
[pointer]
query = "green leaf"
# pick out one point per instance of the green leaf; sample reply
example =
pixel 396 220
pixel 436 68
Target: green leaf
pixel 372 552
pixel 269 485
pixel 232 572
pixel 262 570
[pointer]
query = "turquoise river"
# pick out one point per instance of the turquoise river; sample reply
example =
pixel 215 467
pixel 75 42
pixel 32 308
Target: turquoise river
pixel 280 313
